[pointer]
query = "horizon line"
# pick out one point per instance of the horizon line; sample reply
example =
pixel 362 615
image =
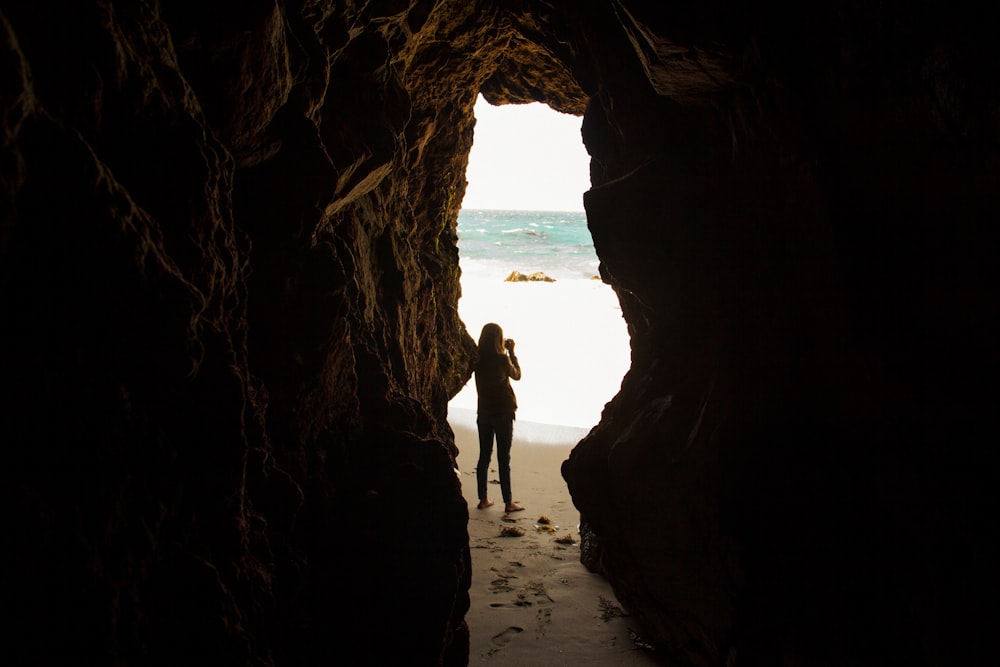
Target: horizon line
pixel 523 210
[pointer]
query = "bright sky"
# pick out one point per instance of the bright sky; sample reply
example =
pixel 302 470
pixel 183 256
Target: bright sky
pixel 526 157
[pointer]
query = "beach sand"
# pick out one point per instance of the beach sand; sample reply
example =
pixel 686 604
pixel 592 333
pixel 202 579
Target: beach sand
pixel 532 601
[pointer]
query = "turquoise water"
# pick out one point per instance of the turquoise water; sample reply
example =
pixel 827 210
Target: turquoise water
pixel 555 243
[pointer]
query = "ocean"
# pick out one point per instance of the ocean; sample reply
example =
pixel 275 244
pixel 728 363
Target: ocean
pixel 572 341
pixel 497 242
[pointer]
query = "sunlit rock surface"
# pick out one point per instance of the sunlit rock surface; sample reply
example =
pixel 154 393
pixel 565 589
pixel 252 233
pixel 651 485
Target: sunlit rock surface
pixel 228 286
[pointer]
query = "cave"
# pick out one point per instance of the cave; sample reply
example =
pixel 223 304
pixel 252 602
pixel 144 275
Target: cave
pixel 228 287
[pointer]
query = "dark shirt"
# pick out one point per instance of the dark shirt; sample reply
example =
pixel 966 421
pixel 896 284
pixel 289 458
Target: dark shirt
pixel 493 375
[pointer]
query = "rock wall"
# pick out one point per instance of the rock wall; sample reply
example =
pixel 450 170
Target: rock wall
pixel 229 286
pixel 229 277
pixel 793 472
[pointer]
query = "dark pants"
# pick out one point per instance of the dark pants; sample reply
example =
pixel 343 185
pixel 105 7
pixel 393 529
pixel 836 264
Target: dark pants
pixel 501 426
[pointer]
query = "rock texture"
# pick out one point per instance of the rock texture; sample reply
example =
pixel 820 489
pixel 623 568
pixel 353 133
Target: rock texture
pixel 537 276
pixel 228 286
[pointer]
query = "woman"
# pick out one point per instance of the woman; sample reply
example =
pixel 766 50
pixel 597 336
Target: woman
pixel 496 367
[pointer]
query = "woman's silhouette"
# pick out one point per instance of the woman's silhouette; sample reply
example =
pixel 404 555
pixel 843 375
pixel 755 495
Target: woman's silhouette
pixel 496 367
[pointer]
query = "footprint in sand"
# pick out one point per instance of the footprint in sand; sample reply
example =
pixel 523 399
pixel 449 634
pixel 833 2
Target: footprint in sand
pixel 534 592
pixel 544 618
pixel 504 637
pixel 501 584
pixel 501 581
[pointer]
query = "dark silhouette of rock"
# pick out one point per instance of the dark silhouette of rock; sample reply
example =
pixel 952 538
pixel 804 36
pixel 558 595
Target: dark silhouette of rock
pixel 228 288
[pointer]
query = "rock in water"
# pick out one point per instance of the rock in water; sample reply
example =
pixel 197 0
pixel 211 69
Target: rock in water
pixel 537 276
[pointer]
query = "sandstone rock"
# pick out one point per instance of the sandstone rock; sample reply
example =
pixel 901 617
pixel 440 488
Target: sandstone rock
pixel 537 276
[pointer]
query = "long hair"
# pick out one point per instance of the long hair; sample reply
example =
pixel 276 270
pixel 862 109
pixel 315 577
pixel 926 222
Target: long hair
pixel 491 340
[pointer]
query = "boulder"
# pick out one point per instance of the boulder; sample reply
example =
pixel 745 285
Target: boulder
pixel 537 276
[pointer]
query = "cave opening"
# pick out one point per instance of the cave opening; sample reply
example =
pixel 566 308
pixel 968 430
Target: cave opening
pixel 522 215
pixel 528 262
